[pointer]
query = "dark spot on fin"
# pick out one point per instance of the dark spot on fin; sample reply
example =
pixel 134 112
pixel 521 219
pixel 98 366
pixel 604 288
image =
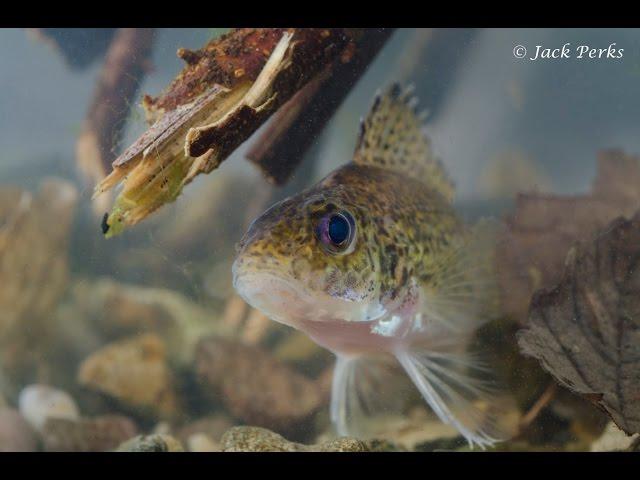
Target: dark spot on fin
pixel 104 225
pixel 395 90
pixel 392 137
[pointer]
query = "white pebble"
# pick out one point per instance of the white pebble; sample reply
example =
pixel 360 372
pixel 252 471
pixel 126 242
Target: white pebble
pixel 612 439
pixel 37 403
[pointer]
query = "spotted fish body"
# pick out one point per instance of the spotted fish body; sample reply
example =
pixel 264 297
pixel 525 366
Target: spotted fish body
pixel 374 260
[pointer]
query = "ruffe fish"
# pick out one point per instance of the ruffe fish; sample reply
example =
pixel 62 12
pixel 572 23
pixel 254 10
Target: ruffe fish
pixel 373 261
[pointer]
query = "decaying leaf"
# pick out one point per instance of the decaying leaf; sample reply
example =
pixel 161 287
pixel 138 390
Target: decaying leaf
pixel 543 227
pixel 228 89
pixel 586 330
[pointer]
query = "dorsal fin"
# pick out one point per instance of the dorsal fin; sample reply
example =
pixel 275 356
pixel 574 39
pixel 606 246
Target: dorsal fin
pixel 392 137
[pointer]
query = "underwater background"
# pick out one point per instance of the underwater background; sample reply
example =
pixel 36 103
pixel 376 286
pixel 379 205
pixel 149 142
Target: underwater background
pixel 139 342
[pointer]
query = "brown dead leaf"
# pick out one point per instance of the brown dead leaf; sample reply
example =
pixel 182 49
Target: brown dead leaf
pixel 586 330
pixel 543 227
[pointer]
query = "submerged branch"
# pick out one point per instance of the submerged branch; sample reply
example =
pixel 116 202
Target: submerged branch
pixel 226 92
pixel 297 124
pixel 540 404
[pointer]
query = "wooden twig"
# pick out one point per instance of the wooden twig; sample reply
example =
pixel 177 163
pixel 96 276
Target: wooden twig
pixel 234 312
pixel 255 328
pixel 297 124
pixel 539 405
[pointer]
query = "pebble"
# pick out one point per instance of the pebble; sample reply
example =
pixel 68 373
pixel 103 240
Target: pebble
pixel 38 403
pixel 255 387
pixel 256 439
pixel 201 442
pixel 16 435
pixel 613 439
pixel 151 443
pixel 134 371
pixel 98 434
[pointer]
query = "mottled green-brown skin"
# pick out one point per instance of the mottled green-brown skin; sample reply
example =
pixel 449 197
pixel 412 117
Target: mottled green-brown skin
pixel 403 229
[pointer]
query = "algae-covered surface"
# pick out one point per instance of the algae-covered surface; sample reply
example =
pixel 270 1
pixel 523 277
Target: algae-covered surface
pixel 140 343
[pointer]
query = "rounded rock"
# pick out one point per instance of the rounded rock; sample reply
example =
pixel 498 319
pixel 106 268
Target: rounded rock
pixel 38 403
pixel 16 435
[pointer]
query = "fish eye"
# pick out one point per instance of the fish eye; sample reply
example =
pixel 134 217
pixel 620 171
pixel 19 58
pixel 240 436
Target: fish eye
pixel 336 231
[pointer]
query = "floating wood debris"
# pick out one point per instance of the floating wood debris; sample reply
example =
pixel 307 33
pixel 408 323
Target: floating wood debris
pixel 227 90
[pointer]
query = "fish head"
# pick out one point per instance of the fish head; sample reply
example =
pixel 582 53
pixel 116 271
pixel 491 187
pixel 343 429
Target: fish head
pixel 308 258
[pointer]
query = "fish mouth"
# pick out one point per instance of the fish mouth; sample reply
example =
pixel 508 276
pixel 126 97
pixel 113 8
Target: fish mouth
pixel 287 301
pixel 281 299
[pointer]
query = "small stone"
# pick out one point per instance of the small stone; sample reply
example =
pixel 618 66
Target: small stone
pixel 256 439
pixel 201 442
pixel 343 444
pixel 256 387
pixel 381 445
pixel 151 443
pixel 38 403
pixel 162 428
pixel 134 371
pixel 613 439
pixel 99 434
pixel 16 435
